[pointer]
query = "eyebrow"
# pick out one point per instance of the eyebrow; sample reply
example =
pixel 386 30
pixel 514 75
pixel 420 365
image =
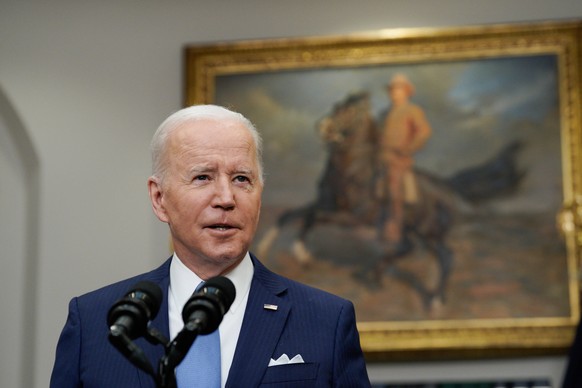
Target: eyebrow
pixel 201 168
pixel 248 171
pixel 205 168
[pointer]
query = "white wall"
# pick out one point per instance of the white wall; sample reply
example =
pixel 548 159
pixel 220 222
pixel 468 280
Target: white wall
pixel 91 80
pixel 19 210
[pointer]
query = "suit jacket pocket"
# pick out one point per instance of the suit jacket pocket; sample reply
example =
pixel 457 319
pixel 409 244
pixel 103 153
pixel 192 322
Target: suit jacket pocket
pixel 291 373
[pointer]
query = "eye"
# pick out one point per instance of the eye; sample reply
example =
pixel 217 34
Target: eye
pixel 241 179
pixel 201 178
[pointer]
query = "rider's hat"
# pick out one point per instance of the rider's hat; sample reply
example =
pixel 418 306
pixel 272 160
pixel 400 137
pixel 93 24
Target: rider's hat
pixel 401 79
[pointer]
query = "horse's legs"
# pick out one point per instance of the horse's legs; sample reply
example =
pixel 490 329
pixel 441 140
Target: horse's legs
pixel 301 253
pixel 373 274
pixel 267 241
pixel 445 259
pixel 300 250
pixel 436 243
pixel 413 281
pixel 305 213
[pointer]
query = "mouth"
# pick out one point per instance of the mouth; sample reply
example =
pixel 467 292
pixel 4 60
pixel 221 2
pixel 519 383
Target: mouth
pixel 221 227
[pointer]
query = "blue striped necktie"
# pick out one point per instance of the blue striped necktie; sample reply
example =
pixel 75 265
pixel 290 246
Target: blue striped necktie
pixel 201 366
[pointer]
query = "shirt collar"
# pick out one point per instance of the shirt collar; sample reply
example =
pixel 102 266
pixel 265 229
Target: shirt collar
pixel 183 281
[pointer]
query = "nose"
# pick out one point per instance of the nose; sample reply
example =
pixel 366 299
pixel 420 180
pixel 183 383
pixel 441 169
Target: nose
pixel 224 194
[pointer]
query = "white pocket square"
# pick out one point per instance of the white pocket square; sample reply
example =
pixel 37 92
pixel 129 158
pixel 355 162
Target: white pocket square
pixel 284 360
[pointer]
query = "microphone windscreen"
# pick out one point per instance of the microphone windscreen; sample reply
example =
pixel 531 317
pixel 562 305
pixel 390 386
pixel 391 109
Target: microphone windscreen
pixel 150 293
pixel 207 305
pixel 227 290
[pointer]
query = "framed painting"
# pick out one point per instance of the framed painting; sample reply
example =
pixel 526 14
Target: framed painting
pixel 431 176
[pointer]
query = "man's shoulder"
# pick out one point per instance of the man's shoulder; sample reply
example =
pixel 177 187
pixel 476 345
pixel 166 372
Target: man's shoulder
pixel 308 289
pixel 119 288
pixel 302 291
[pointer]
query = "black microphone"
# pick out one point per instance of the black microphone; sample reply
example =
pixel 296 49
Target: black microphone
pixel 202 314
pixel 128 319
pixel 207 306
pixel 132 313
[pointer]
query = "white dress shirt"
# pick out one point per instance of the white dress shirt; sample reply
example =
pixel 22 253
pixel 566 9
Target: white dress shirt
pixel 183 282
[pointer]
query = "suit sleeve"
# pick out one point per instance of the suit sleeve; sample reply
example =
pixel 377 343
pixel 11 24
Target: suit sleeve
pixel 573 374
pixel 349 364
pixel 65 372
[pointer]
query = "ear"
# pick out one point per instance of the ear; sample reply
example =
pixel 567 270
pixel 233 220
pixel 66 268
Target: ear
pixel 157 198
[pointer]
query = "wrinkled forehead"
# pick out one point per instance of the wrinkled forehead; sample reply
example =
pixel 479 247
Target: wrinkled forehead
pixel 200 139
pixel 211 131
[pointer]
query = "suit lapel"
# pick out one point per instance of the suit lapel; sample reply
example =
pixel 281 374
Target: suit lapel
pixel 261 328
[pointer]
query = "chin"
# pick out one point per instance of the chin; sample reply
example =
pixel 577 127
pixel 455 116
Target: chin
pixel 229 257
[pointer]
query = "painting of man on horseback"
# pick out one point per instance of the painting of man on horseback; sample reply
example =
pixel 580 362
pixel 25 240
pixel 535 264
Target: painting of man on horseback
pixel 369 183
pixel 429 211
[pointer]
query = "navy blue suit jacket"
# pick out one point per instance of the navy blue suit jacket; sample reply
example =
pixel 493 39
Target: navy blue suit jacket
pixel 573 373
pixel 319 326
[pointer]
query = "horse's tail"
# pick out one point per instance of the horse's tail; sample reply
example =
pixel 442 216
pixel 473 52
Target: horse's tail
pixel 498 176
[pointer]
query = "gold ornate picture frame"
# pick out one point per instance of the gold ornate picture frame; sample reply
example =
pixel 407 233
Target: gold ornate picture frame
pixel 500 176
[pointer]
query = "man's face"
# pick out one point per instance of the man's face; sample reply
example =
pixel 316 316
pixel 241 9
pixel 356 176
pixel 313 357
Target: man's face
pixel 398 93
pixel 211 194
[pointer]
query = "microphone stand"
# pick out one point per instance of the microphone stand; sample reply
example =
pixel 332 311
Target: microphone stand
pixel 175 352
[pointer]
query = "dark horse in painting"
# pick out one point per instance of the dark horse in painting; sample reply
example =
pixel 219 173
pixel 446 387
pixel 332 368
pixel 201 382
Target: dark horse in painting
pixel 349 194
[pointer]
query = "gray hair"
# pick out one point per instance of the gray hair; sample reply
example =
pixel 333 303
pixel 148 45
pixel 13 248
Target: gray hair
pixel 194 113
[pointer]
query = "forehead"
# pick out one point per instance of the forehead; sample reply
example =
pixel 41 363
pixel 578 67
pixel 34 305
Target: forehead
pixel 398 85
pixel 207 136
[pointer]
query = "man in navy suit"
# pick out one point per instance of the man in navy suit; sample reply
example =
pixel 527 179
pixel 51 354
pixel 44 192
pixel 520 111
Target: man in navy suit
pixel 573 372
pixel 206 185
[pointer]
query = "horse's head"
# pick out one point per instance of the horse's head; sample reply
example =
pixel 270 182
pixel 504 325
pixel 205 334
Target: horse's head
pixel 348 118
